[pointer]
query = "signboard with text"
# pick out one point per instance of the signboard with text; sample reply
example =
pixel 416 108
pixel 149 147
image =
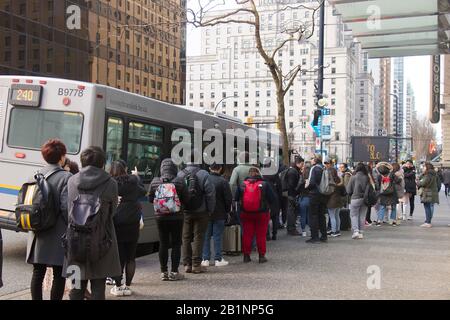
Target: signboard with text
pixel 368 149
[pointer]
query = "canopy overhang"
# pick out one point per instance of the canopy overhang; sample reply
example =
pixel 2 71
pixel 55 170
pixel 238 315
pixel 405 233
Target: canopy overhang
pixel 391 28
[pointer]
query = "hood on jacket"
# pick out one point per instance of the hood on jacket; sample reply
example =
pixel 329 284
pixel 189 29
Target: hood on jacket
pixel 168 170
pixel 91 177
pixel 127 184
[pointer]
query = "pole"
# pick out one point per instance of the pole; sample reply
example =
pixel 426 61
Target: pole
pixel 321 59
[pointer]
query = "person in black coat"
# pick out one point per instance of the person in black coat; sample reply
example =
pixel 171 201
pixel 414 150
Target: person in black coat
pixel 409 172
pixel 170 227
pixel 216 225
pixel 127 223
pixel 275 183
pixel 292 178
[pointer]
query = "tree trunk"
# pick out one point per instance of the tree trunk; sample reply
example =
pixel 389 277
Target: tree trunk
pixel 282 127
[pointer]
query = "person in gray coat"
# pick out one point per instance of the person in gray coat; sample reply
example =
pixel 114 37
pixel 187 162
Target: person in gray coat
pixel 91 179
pixel 358 209
pixel 44 249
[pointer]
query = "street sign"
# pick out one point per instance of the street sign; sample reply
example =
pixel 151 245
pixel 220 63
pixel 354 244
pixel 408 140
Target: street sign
pixel 326 112
pixel 317 145
pixel 317 129
pixel 368 149
pixel 326 132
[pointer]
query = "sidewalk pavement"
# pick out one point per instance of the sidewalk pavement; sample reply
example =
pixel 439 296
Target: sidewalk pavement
pixel 414 264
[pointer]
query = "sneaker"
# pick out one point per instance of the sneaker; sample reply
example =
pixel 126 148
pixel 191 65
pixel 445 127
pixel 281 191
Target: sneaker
pixel 175 276
pixel 410 217
pixel 378 223
pixel 274 237
pixel 336 234
pixel 117 291
pixel 355 235
pixel 110 282
pixel 304 234
pixel 198 269
pixel 188 269
pixel 127 291
pixel 221 263
pixel 360 236
pixel 404 217
pixel 329 232
pixel 426 225
pixel 205 263
pixel 164 276
pixel 394 224
pixel 367 224
pixel 247 258
pixel 262 259
pixel 313 240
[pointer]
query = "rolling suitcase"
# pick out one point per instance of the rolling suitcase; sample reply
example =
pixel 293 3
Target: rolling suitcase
pixel 232 244
pixel 346 223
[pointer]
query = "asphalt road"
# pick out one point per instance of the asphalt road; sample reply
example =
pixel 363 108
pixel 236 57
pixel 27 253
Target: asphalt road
pixel 414 263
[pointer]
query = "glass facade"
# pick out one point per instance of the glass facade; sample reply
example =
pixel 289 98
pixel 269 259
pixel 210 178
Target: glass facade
pixel 138 46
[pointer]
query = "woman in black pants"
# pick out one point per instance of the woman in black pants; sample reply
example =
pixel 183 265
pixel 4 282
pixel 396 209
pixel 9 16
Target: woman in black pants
pixel 170 225
pixel 126 223
pixel 44 248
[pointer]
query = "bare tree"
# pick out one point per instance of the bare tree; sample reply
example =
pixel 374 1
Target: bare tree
pixel 247 12
pixel 423 134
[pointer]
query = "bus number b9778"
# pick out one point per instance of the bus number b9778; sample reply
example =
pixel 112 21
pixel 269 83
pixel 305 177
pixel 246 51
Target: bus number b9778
pixel 70 92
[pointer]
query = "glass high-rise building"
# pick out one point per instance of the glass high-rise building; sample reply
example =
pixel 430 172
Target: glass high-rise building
pixel 134 45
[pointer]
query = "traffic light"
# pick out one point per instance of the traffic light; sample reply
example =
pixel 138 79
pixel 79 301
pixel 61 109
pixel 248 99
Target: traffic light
pixel 317 115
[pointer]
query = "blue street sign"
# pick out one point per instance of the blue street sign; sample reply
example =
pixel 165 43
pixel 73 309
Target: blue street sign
pixel 326 130
pixel 326 112
pixel 317 129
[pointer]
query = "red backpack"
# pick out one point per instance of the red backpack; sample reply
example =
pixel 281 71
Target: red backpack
pixel 253 197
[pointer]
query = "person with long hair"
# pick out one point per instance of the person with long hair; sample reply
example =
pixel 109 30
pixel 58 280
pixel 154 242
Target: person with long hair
pixel 126 223
pixel 356 189
pixel 428 191
pixel 334 203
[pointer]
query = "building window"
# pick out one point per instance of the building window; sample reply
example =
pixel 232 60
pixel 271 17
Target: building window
pixel 291 113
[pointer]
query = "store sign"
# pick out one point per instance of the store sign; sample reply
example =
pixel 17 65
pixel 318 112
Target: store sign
pixel 435 112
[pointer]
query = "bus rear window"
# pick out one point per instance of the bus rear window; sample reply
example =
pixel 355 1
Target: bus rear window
pixel 31 128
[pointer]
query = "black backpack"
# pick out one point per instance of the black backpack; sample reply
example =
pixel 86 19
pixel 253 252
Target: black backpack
pixel 370 196
pixel 195 192
pixel 37 206
pixel 87 238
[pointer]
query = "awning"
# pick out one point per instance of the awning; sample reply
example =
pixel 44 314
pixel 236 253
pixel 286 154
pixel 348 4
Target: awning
pixel 391 28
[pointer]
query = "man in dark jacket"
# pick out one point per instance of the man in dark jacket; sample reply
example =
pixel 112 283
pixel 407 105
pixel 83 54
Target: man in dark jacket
pixel 93 179
pixel 283 200
pixel 196 220
pixel 409 172
pixel 292 179
pixel 275 183
pixel 318 202
pixel 216 225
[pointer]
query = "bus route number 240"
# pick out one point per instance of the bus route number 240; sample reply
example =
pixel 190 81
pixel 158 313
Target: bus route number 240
pixel 70 92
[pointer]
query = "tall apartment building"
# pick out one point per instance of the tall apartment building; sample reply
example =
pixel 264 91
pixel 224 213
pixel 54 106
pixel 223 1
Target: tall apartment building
pixel 365 105
pixel 230 76
pixel 410 109
pixel 134 45
pixel 378 112
pixel 385 91
pixel 398 116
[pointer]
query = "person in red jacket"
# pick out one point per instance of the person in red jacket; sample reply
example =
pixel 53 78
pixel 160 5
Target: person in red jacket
pixel 255 194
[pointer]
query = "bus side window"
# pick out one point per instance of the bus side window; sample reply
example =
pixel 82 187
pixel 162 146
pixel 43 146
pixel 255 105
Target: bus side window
pixel 114 140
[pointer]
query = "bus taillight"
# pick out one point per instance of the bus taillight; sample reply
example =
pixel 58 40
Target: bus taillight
pixel 42 82
pixel 15 80
pixel 66 101
pixel 81 87
pixel 29 81
pixel 20 155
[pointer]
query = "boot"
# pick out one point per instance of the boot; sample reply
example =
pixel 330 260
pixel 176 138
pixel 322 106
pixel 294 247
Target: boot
pixel 262 259
pixel 247 258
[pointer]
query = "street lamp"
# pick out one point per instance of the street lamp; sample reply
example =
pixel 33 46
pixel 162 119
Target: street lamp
pixel 218 103
pixel 396 124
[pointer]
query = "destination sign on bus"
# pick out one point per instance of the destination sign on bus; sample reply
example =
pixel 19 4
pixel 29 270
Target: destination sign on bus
pixel 25 95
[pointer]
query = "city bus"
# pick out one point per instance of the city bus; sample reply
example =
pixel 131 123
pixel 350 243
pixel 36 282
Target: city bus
pixel 127 126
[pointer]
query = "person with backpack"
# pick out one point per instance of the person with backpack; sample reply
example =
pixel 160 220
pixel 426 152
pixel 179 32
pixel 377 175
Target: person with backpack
pixel 44 238
pixel 255 194
pixel 275 184
pixel 126 223
pixel 409 172
pixel 197 212
pixel 169 194
pixel 428 191
pixel 216 225
pixel 318 202
pixel 356 189
pixel 90 241
pixel 334 203
pixel 387 195
pixel 290 183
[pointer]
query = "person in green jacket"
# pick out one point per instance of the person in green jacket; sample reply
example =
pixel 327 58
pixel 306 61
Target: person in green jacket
pixel 428 191
pixel 241 172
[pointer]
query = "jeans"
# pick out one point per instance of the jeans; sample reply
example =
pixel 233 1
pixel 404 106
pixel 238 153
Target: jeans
pixel 303 211
pixel 254 224
pixel 284 209
pixel 195 224
pixel 170 235
pixel 58 285
pixel 215 229
pixel 127 256
pixel 358 212
pixel 291 215
pixel 383 209
pixel 429 210
pixel 335 219
pixel 98 287
pixel 317 218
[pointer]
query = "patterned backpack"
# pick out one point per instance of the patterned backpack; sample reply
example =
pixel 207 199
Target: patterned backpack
pixel 166 200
